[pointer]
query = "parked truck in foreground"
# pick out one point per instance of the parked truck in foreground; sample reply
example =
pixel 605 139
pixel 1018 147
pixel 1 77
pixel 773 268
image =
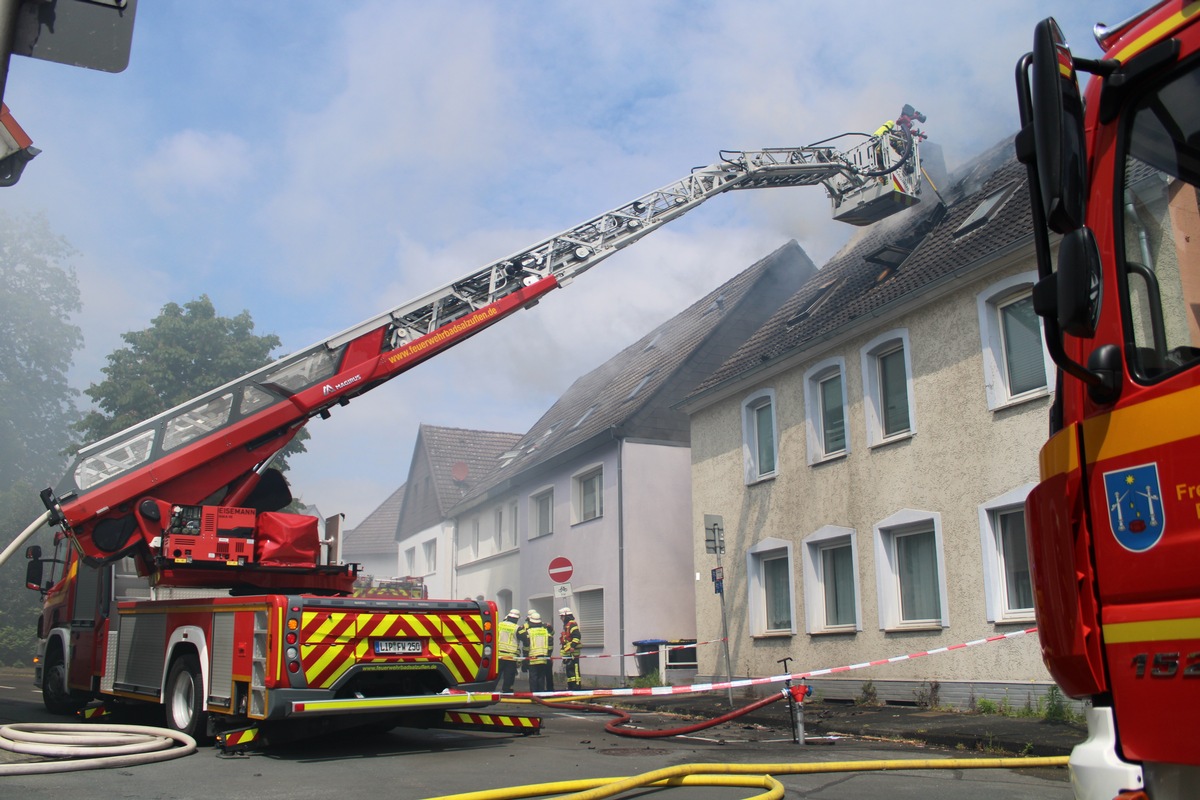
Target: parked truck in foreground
pixel 178 580
pixel 1115 520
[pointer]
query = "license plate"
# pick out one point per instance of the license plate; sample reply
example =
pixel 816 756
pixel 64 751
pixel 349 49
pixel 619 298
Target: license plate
pixel 391 647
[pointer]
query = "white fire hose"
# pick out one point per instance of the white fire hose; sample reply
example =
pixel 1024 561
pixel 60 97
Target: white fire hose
pixel 89 746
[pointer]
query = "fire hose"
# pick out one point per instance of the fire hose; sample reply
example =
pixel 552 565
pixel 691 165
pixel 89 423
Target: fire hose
pixel 615 726
pixel 89 746
pixel 749 775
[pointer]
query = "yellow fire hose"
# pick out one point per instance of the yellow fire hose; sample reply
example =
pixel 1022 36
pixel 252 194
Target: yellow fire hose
pixel 748 775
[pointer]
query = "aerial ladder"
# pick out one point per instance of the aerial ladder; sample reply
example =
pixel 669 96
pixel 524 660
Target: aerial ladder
pixel 121 496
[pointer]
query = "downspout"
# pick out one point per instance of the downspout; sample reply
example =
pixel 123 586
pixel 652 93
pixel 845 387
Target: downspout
pixel 620 544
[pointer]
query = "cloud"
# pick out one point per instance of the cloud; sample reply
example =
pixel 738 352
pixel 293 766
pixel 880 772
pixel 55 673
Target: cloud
pixel 193 164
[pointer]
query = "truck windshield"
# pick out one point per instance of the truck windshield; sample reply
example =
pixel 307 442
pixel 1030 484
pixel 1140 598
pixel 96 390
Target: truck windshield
pixel 1159 219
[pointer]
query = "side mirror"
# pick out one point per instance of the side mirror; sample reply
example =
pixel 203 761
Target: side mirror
pixel 1058 129
pixel 33 570
pixel 1079 284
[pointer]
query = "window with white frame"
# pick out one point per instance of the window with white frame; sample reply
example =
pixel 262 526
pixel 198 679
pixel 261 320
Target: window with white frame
pixel 825 410
pixel 410 561
pixel 769 586
pixel 887 388
pixel 542 513
pixel 1016 364
pixel 498 528
pixel 430 554
pixel 589 613
pixel 587 495
pixel 474 543
pixel 831 586
pixel 758 435
pixel 511 533
pixel 1008 583
pixel 909 570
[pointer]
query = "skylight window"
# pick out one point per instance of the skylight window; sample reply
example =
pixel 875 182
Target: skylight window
pixel 818 300
pixel 986 210
pixel 641 384
pixel 586 414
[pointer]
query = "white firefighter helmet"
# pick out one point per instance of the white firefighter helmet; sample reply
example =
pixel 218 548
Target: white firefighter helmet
pixel 514 614
pixel 565 611
pixel 535 617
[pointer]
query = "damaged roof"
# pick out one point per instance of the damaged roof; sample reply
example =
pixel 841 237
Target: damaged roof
pixel 986 214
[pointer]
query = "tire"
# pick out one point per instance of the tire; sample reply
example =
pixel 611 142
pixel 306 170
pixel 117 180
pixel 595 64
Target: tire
pixel 56 697
pixel 184 699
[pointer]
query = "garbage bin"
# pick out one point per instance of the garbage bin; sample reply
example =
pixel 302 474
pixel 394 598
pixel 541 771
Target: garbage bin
pixel 647 655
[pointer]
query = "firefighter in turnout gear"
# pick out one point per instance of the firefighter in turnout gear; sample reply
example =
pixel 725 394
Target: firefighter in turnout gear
pixel 540 644
pixel 508 649
pixel 570 642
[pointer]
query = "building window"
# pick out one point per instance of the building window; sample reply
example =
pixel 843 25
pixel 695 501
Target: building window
pixel 498 530
pixel 909 571
pixel 542 513
pixel 887 382
pixel 474 551
pixel 831 588
pixel 758 430
pixel 770 581
pixel 430 556
pixel 1015 362
pixel 511 534
pixel 1008 584
pixel 410 561
pixel 588 495
pixel 825 410
pixel 589 613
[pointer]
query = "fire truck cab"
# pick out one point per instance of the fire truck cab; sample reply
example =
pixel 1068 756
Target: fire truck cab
pixel 1115 520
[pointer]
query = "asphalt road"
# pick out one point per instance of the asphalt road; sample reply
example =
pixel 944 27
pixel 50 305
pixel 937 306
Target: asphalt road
pixel 407 763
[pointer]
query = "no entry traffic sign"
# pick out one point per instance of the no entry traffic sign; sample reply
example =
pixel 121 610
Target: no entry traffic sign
pixel 561 570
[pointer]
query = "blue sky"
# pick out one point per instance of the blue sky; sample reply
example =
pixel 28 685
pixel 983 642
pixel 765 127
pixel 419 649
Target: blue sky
pixel 315 163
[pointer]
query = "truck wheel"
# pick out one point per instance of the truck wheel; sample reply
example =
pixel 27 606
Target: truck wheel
pixel 57 698
pixel 184 700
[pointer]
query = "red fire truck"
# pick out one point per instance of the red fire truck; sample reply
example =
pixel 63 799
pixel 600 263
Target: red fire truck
pixel 1115 521
pixel 185 585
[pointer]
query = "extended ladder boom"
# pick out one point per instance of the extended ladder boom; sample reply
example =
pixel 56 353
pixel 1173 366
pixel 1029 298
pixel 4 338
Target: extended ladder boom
pixel 222 440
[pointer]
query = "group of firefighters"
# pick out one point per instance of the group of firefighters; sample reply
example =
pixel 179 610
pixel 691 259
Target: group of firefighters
pixel 529 645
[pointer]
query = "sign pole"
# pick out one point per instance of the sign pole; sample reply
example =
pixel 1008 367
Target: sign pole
pixel 714 542
pixel 725 630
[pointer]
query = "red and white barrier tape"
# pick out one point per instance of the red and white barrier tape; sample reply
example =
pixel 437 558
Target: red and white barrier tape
pixel 795 676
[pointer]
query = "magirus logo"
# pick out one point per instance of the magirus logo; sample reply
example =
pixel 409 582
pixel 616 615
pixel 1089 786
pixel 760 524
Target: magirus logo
pixel 337 387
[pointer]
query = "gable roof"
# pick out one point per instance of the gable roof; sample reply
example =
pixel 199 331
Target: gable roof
pixel 888 264
pixel 633 393
pixel 377 532
pixel 446 464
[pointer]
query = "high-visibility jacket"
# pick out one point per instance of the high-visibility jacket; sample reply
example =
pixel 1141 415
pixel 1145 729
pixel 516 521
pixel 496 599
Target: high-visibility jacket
pixel 539 644
pixel 570 639
pixel 506 640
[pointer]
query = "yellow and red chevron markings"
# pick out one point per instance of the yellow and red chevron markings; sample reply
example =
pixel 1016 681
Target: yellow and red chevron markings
pixel 493 722
pixel 334 641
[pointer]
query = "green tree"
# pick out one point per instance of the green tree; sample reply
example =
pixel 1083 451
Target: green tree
pixel 186 351
pixel 39 292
